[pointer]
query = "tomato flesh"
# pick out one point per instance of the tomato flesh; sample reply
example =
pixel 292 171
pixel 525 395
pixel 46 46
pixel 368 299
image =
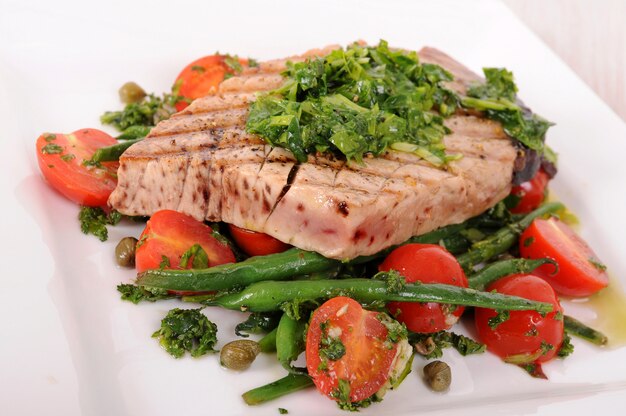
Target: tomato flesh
pixel 530 194
pixel 526 336
pixel 368 358
pixel 256 244
pixel 60 158
pixel 426 263
pixel 169 234
pixel 201 76
pixel 579 271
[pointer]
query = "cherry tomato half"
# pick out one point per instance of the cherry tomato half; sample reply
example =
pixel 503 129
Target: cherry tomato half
pixel 579 273
pixel 169 234
pixel 526 336
pixel 202 75
pixel 61 157
pixel 530 194
pixel 256 244
pixel 426 263
pixel 367 359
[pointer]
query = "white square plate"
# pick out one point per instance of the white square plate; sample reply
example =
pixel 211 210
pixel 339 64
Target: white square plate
pixel 70 346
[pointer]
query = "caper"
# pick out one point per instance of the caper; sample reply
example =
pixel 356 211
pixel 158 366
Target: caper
pixel 125 252
pixel 131 93
pixel 438 375
pixel 239 354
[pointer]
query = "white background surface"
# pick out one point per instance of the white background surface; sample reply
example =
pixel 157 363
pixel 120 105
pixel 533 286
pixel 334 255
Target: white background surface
pixel 70 347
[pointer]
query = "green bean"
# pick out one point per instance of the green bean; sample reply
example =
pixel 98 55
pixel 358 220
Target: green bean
pixel 497 270
pixel 268 342
pixel 575 327
pixel 504 238
pixel 278 266
pixel 276 389
pixel 112 153
pixel 272 295
pixel 289 341
pixel 134 132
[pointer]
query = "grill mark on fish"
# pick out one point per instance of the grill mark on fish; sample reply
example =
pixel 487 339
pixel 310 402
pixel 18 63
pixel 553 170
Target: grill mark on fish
pixel 290 178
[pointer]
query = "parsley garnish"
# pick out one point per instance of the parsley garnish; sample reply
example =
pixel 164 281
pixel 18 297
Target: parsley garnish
pixel 136 294
pixel 497 98
pixel 52 149
pixel 93 220
pixel 501 317
pixel 432 345
pixel 355 101
pixel 165 261
pixel 197 255
pixel 67 157
pixel 233 63
pixel 566 348
pixel 186 330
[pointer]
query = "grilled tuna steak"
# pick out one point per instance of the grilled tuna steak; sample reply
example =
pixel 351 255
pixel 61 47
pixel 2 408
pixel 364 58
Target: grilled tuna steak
pixel 202 162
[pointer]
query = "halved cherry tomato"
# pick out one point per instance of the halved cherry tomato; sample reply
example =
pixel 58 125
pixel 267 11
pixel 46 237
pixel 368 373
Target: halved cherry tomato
pixel 526 336
pixel 579 273
pixel 367 360
pixel 199 77
pixel 426 263
pixel 60 158
pixel 256 244
pixel 530 194
pixel 168 234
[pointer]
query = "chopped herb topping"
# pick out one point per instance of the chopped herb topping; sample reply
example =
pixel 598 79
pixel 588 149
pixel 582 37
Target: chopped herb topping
pixel 253 63
pixel 93 220
pixel 67 157
pixel 197 255
pixel 497 97
pixel 546 347
pixel 165 261
pixel 52 149
pixel 283 411
pixel 597 264
pixel 147 112
pixel 356 101
pixel 432 345
pixel 395 281
pixel 198 68
pixel 186 330
pixel 233 63
pixel 395 330
pixel 558 316
pixel 136 294
pixel 566 348
pixel 332 348
pixel 528 241
pixel 50 137
pixel 501 317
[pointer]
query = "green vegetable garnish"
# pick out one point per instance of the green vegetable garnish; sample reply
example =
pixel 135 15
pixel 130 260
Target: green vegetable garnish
pixel 185 330
pixel 136 294
pixel 497 97
pixel 355 101
pixel 147 112
pixel 93 220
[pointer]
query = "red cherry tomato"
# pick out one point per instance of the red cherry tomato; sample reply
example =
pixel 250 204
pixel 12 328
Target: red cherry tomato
pixel 526 336
pixel 531 194
pixel 579 273
pixel 367 360
pixel 60 158
pixel 202 75
pixel 169 234
pixel 256 244
pixel 426 263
